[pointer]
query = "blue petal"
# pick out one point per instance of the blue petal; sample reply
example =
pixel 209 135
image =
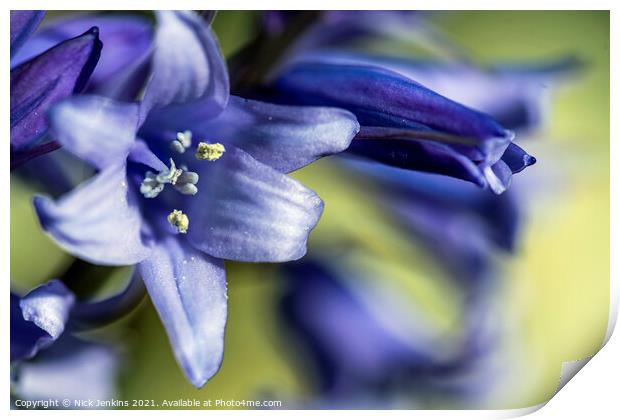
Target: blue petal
pixel 283 137
pixel 48 307
pixel 39 83
pixel 188 289
pixel 23 23
pixel 379 97
pixel 514 97
pixel 127 39
pixel 39 318
pixel 95 129
pixel 187 63
pixel 99 221
pixel 376 143
pixel 248 211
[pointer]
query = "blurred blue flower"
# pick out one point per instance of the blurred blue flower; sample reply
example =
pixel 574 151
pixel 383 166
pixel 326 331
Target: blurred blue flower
pixel 71 369
pixel 371 349
pixel 462 226
pixel 43 80
pixel 46 360
pixel 189 177
pixel 23 23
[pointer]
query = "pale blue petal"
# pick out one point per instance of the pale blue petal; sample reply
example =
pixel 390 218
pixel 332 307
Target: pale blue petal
pixel 188 289
pixel 283 137
pixel 99 221
pixel 248 211
pixel 39 318
pixel 187 63
pixel 96 129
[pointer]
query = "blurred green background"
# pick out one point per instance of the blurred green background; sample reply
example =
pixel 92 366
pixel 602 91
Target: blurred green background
pixel 555 293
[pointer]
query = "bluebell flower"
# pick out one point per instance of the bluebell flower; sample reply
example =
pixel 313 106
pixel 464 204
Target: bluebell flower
pixel 407 125
pixel 412 115
pixel 42 81
pixel 187 178
pixel 47 360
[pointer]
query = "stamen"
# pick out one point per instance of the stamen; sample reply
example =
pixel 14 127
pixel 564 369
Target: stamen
pixel 187 178
pixel 187 189
pixel 179 220
pixel 209 151
pixel 182 142
pixel 171 175
pixel 182 180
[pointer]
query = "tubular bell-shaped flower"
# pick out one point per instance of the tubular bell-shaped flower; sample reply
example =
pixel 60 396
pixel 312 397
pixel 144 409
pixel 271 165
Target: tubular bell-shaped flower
pixel 42 81
pixel 407 125
pixel 515 95
pixel 446 117
pixel 187 178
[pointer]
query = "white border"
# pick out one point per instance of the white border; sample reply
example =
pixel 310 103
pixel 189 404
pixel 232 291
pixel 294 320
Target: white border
pixel 594 394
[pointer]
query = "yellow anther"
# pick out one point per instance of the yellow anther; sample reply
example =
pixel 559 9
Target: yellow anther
pixel 179 220
pixel 209 151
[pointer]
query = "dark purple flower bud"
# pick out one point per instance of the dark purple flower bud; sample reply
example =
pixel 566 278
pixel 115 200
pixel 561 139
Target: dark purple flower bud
pixel 39 83
pixel 404 123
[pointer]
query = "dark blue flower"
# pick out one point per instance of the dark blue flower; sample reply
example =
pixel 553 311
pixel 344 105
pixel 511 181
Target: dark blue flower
pixel 189 177
pixel 42 81
pixel 126 39
pixel 370 348
pixel 407 125
pixel 516 95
